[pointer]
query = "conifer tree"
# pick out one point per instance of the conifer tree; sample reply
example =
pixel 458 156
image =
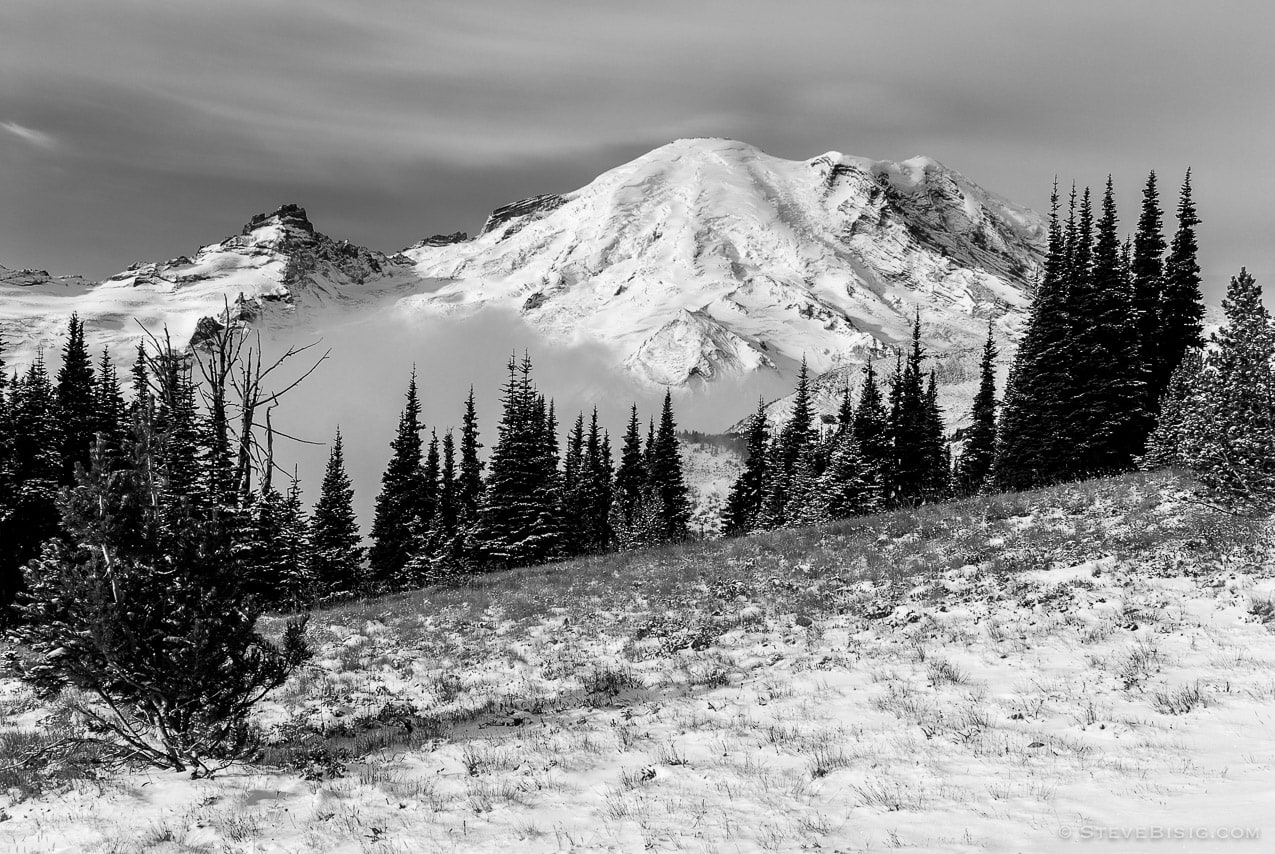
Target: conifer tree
pixel 1147 271
pixel 1108 420
pixel 848 487
pixel 110 411
pixel 142 404
pixel 1227 435
pixel 337 555
pixel 1181 306
pixel 913 441
pixel 975 463
pixel 518 521
pixel 75 401
pixel 786 451
pixel 598 471
pixel 749 489
pixel 1164 445
pixel 401 501
pixel 34 471
pixel 630 477
pixel 575 502
pixel 442 551
pixel 938 457
pixel 469 485
pixel 807 502
pixel 871 431
pixel 666 478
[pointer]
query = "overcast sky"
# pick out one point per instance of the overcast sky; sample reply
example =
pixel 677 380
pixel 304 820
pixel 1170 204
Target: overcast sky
pixel 140 130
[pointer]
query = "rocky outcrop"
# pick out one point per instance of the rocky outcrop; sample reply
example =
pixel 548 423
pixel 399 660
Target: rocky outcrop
pixel 521 212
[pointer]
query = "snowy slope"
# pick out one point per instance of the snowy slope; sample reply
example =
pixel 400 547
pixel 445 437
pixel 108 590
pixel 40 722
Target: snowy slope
pixel 708 258
pixel 277 264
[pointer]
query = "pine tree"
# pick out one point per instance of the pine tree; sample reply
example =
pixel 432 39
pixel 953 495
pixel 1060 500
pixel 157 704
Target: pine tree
pixel 109 410
pixel 143 607
pixel 337 555
pixel 402 499
pixel 34 471
pixel 807 502
pixel 1164 446
pixel 849 486
pixel 666 478
pixel 749 489
pixel 143 402
pixel 1181 306
pixel 871 431
pixel 938 456
pixel 575 502
pixel 75 398
pixel 1227 436
pixel 518 522
pixel 975 464
pixel 1108 420
pixel 630 477
pixel 469 484
pixel 600 490
pixel 786 451
pixel 914 446
pixel 1147 271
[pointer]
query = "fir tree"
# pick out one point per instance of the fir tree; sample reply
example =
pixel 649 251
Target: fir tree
pixel 666 479
pixel 517 523
pixel 75 401
pixel 749 489
pixel 1227 433
pixel 337 555
pixel 786 451
pixel 401 501
pixel 34 472
pixel 575 502
pixel 109 410
pixel 938 457
pixel 469 485
pixel 600 491
pixel 979 451
pixel 807 502
pixel 871 431
pixel 630 477
pixel 1147 272
pixel 848 487
pixel 1181 306
pixel 1164 446
pixel 914 446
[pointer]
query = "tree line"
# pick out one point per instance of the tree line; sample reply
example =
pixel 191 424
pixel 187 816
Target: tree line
pixel 1109 324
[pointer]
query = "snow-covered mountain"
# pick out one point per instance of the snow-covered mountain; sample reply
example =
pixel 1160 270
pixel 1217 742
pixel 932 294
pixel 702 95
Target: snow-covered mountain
pixel 701 260
pixel 708 258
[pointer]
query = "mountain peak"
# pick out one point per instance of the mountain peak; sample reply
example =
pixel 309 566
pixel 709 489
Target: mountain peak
pixel 290 216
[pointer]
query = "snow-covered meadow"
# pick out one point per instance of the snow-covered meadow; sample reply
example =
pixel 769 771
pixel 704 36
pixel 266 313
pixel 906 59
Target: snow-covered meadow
pixel 1015 673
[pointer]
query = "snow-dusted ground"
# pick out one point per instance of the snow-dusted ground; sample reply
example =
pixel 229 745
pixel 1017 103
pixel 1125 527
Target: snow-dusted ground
pixel 1013 674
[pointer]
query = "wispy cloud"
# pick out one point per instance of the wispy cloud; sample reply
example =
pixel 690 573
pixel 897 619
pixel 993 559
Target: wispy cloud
pixel 31 136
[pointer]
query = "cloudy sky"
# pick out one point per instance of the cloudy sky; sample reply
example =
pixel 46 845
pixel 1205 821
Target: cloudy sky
pixel 135 129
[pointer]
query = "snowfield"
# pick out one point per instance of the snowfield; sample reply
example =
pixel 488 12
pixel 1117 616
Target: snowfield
pixel 1015 673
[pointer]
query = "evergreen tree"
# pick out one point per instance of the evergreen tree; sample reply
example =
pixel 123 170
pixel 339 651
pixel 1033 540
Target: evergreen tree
pixel 110 411
pixel 630 477
pixel 979 451
pixel 143 401
pixel 143 607
pixel 848 487
pixel 402 500
pixel 1181 306
pixel 914 446
pixel 518 521
pixel 34 472
pixel 469 485
pixel 938 456
pixel 1227 435
pixel 807 502
pixel 1108 420
pixel 1164 444
pixel 786 451
pixel 575 501
pixel 600 487
pixel 749 489
pixel 666 477
pixel 1147 271
pixel 871 431
pixel 337 555
pixel 75 401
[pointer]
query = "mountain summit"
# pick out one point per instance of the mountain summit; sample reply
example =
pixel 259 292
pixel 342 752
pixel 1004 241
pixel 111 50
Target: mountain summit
pixel 707 258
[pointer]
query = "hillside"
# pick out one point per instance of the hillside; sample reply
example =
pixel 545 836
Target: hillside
pixel 1010 673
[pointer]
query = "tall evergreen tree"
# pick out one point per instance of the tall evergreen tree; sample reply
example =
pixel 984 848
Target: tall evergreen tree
pixel 518 522
pixel 667 480
pixel 786 451
pixel 938 455
pixel 75 401
pixel 337 553
pixel 1164 445
pixel 914 446
pixel 871 430
pixel 979 451
pixel 849 486
pixel 1227 437
pixel 749 491
pixel 110 411
pixel 1181 306
pixel 630 477
pixel 575 501
pixel 401 501
pixel 1147 271
pixel 598 474
pixel 469 486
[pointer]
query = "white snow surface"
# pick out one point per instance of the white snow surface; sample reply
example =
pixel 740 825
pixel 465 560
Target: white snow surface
pixel 704 259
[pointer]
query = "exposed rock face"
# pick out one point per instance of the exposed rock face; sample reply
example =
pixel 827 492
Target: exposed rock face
pixel 442 239
pixel 515 216
pixel 286 216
